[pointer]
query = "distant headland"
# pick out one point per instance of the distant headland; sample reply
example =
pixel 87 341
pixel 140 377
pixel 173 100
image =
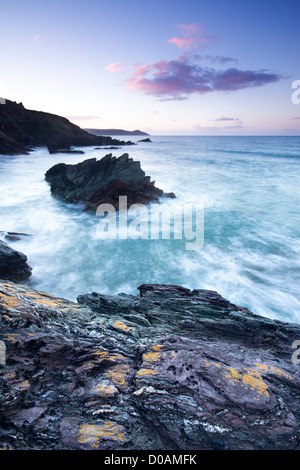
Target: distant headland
pixel 115 132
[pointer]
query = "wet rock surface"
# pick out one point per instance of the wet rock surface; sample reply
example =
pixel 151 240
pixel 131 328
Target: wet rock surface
pixel 94 182
pixel 167 369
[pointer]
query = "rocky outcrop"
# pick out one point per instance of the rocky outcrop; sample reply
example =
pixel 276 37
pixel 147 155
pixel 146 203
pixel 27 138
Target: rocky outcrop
pixel 21 129
pixel 170 368
pixel 56 150
pixel 94 182
pixel 13 264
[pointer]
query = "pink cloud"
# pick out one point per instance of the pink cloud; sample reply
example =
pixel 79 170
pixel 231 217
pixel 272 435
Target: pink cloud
pixel 192 37
pixel 115 67
pixel 177 79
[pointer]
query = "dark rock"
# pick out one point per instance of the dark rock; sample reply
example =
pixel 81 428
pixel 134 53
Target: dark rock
pixel 145 140
pixel 21 129
pixel 54 150
pixel 171 369
pixel 94 182
pixel 10 146
pixel 13 264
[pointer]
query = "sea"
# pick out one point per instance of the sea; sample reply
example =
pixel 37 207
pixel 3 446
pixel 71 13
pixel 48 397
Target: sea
pixel 243 194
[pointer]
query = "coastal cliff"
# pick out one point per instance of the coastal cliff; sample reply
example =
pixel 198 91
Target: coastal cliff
pixel 169 368
pixel 21 129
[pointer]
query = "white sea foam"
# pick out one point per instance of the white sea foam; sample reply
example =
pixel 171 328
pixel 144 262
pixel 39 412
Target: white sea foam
pixel 250 191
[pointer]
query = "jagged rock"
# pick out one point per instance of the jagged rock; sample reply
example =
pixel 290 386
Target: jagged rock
pixel 13 264
pixel 94 182
pixel 167 369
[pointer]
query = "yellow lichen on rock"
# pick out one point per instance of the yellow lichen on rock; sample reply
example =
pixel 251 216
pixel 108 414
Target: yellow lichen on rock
pixel 249 378
pixel 122 326
pixel 98 357
pixel 153 354
pixel 101 354
pixel 143 372
pixel 10 375
pixel 157 347
pixel 9 301
pixel 272 369
pixel 11 337
pixel 118 374
pixel 16 295
pixel 92 434
pixel 23 385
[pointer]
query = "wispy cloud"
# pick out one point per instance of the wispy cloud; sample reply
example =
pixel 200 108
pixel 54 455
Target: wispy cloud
pixel 36 37
pixel 177 79
pixel 115 67
pixel 223 118
pixel 216 129
pixel 192 37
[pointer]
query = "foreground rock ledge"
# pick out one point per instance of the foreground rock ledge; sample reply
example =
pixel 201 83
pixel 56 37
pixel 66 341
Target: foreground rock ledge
pixel 168 369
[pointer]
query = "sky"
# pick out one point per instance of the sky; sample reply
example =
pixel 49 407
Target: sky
pixel 167 67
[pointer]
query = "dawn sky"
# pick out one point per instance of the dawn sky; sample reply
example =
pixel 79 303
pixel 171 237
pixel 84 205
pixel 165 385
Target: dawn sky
pixel 167 67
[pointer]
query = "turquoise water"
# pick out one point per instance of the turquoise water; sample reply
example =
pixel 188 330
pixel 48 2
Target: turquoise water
pixel 249 188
